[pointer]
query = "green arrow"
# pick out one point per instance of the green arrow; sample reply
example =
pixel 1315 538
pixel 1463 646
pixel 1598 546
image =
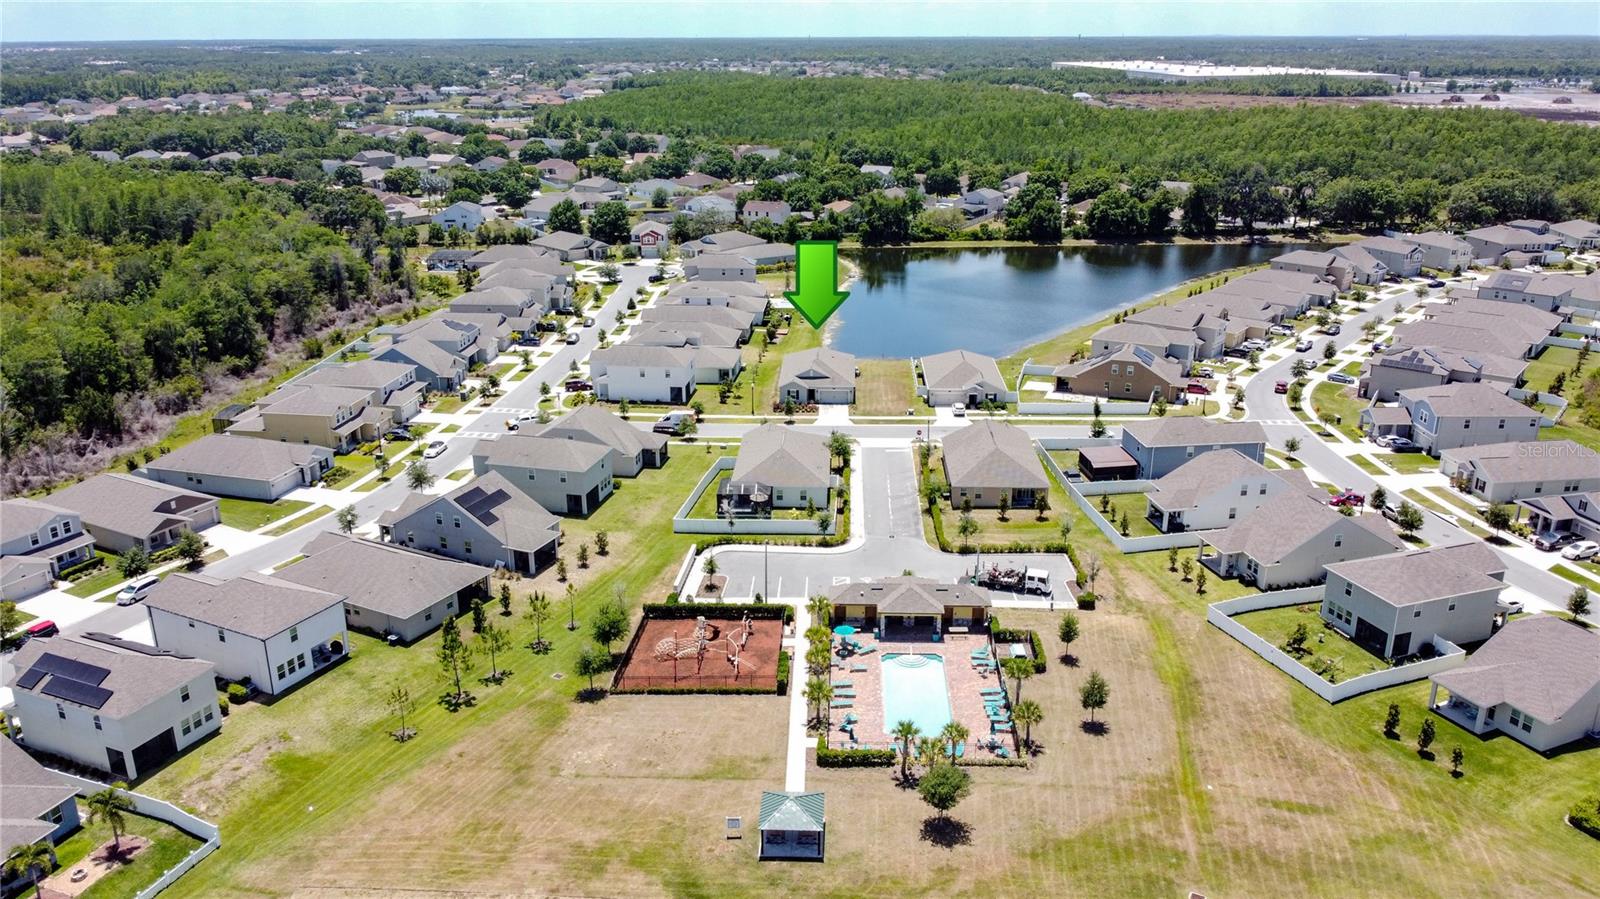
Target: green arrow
pixel 816 280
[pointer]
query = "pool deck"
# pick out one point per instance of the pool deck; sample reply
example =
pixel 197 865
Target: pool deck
pixel 962 680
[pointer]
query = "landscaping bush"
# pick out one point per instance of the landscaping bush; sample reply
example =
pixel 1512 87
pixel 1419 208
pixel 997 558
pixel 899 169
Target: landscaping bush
pixel 719 691
pixel 783 671
pixel 679 610
pixel 83 569
pixel 222 703
pixel 1079 577
pixel 335 476
pixel 1585 816
pixel 968 761
pixel 1086 601
pixel 238 693
pixel 852 758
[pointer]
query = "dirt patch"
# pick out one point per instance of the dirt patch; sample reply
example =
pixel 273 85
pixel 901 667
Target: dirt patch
pixel 674 652
pixel 107 857
pixel 214 790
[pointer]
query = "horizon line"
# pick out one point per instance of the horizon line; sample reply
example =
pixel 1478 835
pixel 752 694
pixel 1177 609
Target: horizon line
pixel 774 37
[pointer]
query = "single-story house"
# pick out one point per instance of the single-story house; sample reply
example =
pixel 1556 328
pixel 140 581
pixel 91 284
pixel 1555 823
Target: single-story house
pixel 1506 472
pixel 567 477
pixel 962 376
pixel 1537 680
pixel 793 826
pixel 778 467
pixel 632 449
pixel 569 247
pixel 245 467
pixel 38 805
pixel 122 511
pixel 388 589
pixel 486 521
pixel 820 375
pixel 1576 513
pixel 1395 604
pixel 254 627
pixel 1577 234
pixel 111 704
pixel 1290 539
pixel 908 601
pixel 1159 445
pixel 990 460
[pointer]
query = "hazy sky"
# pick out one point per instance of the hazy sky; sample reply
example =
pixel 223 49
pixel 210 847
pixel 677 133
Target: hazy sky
pixel 69 20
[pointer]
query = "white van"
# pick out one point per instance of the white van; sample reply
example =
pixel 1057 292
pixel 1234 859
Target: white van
pixel 137 590
pixel 1037 580
pixel 669 423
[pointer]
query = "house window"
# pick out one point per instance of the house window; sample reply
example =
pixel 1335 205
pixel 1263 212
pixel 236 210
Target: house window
pixel 1347 589
pixel 1232 513
pixel 33 539
pixel 1127 387
pixel 1502 424
pixel 1115 369
pixel 1416 613
pixel 222 635
pixel 97 723
pixel 66 527
pixel 457 520
pixel 1244 489
pixel 1338 539
pixel 1188 453
pixel 438 518
pixel 61 712
pixel 191 624
pixel 1466 424
pixel 428 617
pixel 466 547
pixel 281 672
pixel 53 816
pixel 1263 490
pixel 186 727
pixel 300 660
pixel 1451 608
pixel 294 634
pixel 443 543
pixel 183 695
pixel 55 532
pixel 209 714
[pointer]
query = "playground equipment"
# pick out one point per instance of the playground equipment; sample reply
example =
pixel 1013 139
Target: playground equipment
pixel 706 638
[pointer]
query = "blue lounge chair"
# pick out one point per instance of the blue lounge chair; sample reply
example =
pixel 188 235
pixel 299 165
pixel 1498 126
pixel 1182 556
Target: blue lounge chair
pixel 850 718
pixel 997 691
pixel 858 668
pixel 1002 752
pixel 844 683
pixel 872 648
pixel 961 750
pixel 841 704
pixel 1000 727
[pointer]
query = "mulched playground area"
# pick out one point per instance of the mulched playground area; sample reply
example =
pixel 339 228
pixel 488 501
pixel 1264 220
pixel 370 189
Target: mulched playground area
pixel 669 653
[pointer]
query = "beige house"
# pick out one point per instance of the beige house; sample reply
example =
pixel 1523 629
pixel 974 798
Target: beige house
pixel 1128 372
pixel 339 418
pixel 987 460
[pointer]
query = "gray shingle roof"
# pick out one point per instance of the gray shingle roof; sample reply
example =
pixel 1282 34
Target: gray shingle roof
pixel 543 453
pixel 223 455
pixel 909 595
pixel 819 368
pixel 1203 475
pixel 31 791
pixel 136 677
pixel 255 605
pixel 129 505
pixel 1469 400
pixel 993 454
pixel 781 456
pixel 513 517
pixel 390 580
pixel 1542 665
pixel 1436 572
pixel 21 516
pixel 960 368
pixel 313 399
pixel 1531 460
pixel 1285 522
pixel 632 354
pixel 1193 431
pixel 369 374
pixel 597 425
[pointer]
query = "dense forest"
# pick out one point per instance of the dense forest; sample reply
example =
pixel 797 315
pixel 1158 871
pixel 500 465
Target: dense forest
pixel 131 294
pixel 1113 81
pixel 159 69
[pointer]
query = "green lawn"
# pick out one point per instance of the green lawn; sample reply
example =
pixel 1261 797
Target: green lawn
pixel 449 429
pixel 1275 625
pixel 1366 464
pixel 1134 506
pixel 448 404
pixel 458 474
pixel 250 514
pixel 1020 525
pixel 756 388
pixel 1575 432
pixel 168 846
pixel 1409 463
pixel 1339 399
pixel 886 387
pixel 299 521
pixel 104 579
pixel 357 464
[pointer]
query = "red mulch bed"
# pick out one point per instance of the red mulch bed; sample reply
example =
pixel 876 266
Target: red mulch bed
pixel 758 659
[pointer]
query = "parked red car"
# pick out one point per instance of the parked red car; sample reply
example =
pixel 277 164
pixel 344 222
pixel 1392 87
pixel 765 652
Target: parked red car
pixel 1197 387
pixel 1281 387
pixel 1348 498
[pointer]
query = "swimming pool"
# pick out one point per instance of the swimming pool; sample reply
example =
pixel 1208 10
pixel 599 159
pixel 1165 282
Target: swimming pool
pixel 914 689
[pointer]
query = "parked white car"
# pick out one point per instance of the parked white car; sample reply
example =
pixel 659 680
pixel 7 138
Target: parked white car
pixel 1585 549
pixel 137 590
pixel 434 449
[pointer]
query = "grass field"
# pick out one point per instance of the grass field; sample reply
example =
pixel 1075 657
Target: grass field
pixel 759 380
pixel 104 579
pixel 299 521
pixel 250 514
pixel 168 846
pixel 1275 625
pixel 886 387
pixel 1341 400
pixel 1409 463
pixel 1134 506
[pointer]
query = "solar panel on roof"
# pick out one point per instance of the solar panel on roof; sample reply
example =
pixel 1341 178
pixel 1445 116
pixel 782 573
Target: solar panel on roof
pixel 77 691
pixel 1144 356
pixel 30 678
pixel 50 663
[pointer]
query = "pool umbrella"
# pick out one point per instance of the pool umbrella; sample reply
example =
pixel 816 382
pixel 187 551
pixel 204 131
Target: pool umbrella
pixel 844 630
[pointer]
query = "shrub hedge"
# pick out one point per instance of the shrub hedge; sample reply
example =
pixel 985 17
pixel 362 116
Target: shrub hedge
pixel 675 610
pixel 1012 635
pixel 851 758
pixel 1585 816
pixel 1086 601
pixel 718 691
pixel 783 671
pixel 83 569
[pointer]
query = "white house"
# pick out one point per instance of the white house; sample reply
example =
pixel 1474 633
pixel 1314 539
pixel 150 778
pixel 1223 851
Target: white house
pixel 112 704
pixel 643 374
pixel 1537 680
pixel 1505 472
pixel 961 376
pixel 1394 604
pixel 567 477
pixel 719 267
pixel 255 627
pixel 1215 489
pixel 465 215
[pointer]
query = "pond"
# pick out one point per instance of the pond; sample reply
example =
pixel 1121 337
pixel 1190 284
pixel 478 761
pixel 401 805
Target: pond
pixel 912 302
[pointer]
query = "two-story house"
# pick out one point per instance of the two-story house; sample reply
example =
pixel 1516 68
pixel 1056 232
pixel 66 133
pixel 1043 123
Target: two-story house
pixel 567 477
pixel 1455 415
pixel 643 374
pixel 37 541
pixel 1159 445
pixel 1393 604
pixel 632 449
pixel 486 521
pixel 339 418
pixel 1215 489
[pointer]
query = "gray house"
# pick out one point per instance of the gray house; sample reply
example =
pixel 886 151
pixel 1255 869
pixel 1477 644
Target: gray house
pixel 437 368
pixel 1577 234
pixel 960 376
pixel 123 511
pixel 1290 540
pixel 820 375
pixel 1441 250
pixel 987 460
pixel 778 467
pixel 37 806
pixel 486 521
pixel 632 449
pixel 1506 472
pixel 388 589
pixel 1159 445
pixel 245 467
pixel 1399 257
pixel 569 247
pixel 1394 604
pixel 38 541
pixel 568 477
pixel 1574 513
pixel 1495 241
pixel 1455 415
pixel 1537 680
pixel 1215 489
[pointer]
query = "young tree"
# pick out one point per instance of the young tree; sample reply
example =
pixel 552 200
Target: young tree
pixel 475 606
pixel 1291 446
pixel 1408 518
pixel 905 731
pixel 818 694
pixel 583 555
pixel 1578 602
pixel 1027 714
pixel 1122 524
pixel 1094 694
pixel 1497 517
pixel 602 542
pixel 134 562
pixel 494 641
pixel 1067 631
pixel 401 704
pixel 346 519
pixel 1329 350
pixel 538 613
pixel 1456 758
pixel 1296 644
pixel 505 599
pixel 455 657
pixel 1091 567
pixel 418 476
pixel 967 528
pixel 30 860
pixel 819 652
pixel 610 623
pixel 1172 558
pixel 109 805
pixel 839 445
pixel 191 547
pixel 1065 527
pixel 1041 505
pixel 1425 736
pixel 944 786
pixel 561 568
pixel 1378 498
pixel 1391 720
pixel 1018 670
pixel 1187 567
pixel 1200 580
pixel 1004 504
pixel 591 662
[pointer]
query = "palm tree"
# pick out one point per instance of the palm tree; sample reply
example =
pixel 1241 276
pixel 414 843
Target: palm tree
pixel 954 733
pixel 1027 714
pixel 28 861
pixel 108 806
pixel 818 692
pixel 929 751
pixel 905 731
pixel 1018 670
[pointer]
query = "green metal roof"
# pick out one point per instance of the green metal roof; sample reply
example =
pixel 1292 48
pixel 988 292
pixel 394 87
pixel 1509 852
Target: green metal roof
pixel 792 811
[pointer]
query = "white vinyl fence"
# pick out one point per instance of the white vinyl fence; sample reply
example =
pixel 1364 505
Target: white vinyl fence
pixel 682 523
pixel 1220 615
pixel 1066 407
pixel 1082 490
pixel 151 807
